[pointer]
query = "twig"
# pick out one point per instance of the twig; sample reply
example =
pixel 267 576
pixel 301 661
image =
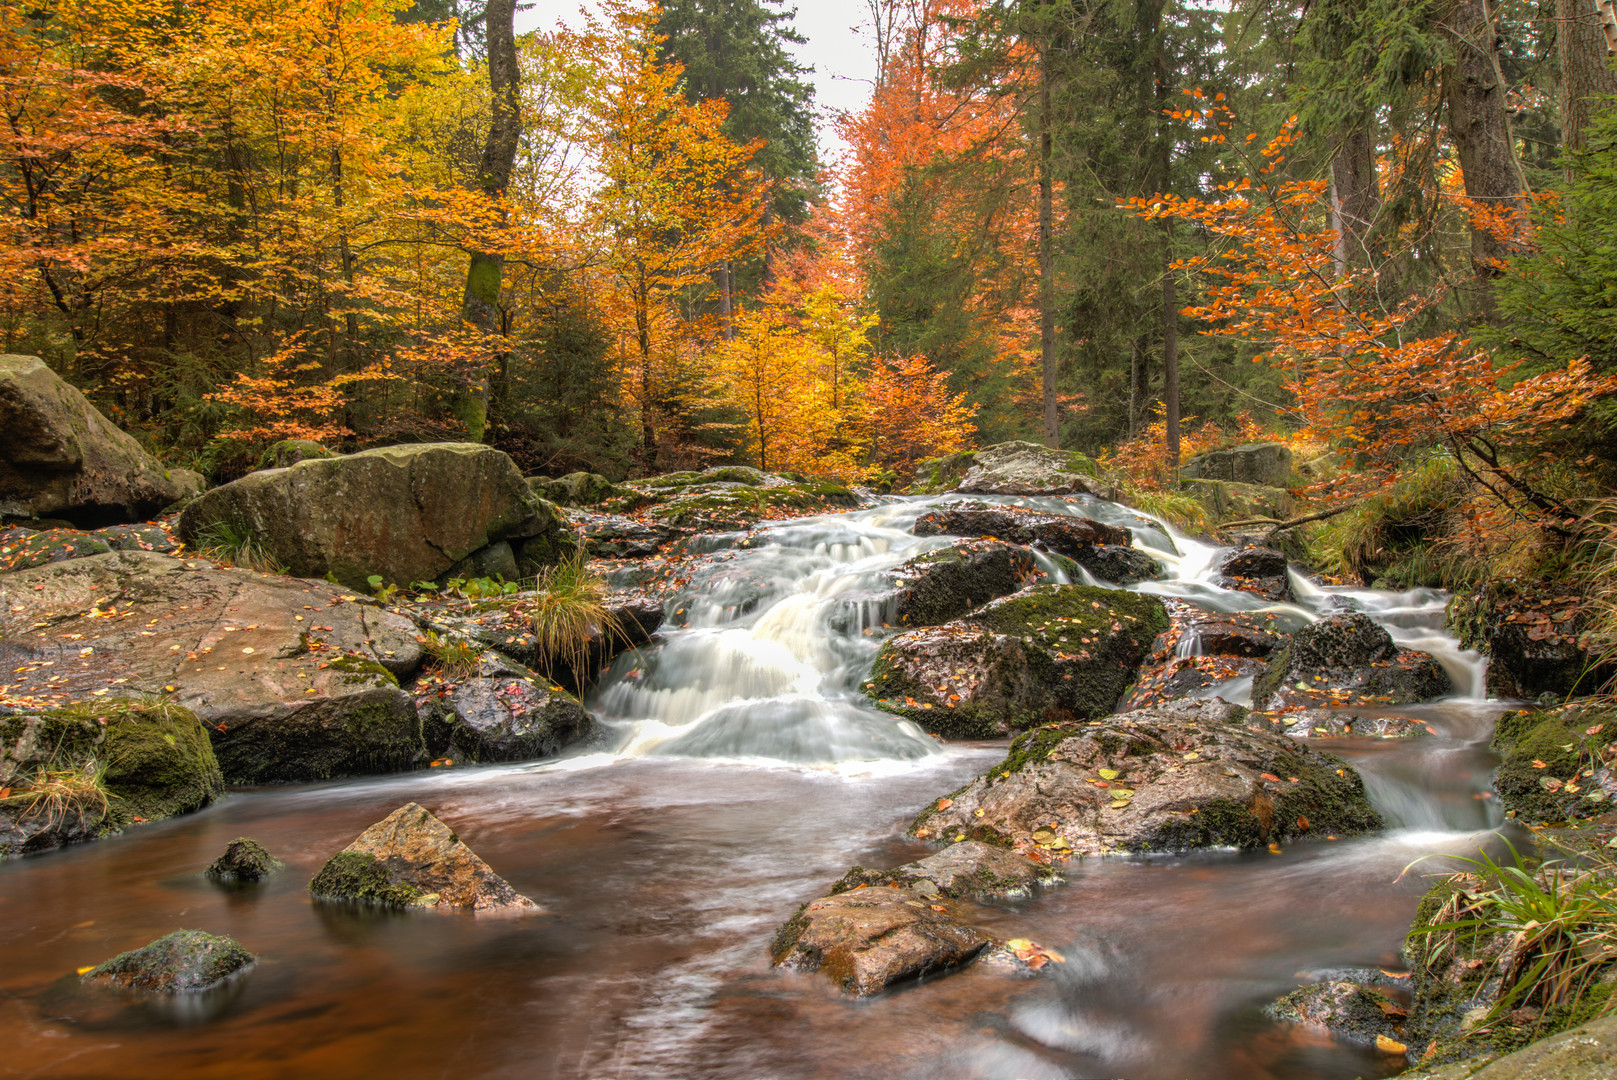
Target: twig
pixel 1281 526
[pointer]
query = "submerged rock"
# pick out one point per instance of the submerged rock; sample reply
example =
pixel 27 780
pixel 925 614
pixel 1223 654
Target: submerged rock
pixel 1188 775
pixel 404 513
pixel 294 680
pixel 185 961
pixel 1348 659
pixel 85 771
pixel 968 869
pixel 1350 1010
pixel 244 859
pixel 1049 653
pixel 1329 724
pixel 1260 571
pixel 411 859
pixel 868 939
pixel 61 458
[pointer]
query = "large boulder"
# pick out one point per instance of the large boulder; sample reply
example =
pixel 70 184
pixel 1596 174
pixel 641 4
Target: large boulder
pixel 1189 775
pixel 1011 468
pixel 411 859
pixel 83 771
pixel 868 939
pixel 1226 500
pixel 1103 550
pixel 945 583
pixel 1260 571
pixel 1347 659
pixel 1048 653
pixel 295 680
pixel 405 513
pixel 1255 463
pixel 61 458
pixel 186 961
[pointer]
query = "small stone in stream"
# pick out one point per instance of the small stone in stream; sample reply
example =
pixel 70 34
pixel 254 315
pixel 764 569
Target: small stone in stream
pixel 1347 660
pixel 1019 956
pixel 183 962
pixel 244 860
pixel 868 939
pixel 411 859
pixel 1350 1010
pixel 1326 724
pixel 966 869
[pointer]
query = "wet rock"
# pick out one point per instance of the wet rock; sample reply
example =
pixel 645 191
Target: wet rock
pixel 291 451
pixel 727 506
pixel 1196 630
pixel 186 961
pixel 948 582
pixel 1526 662
pixel 1557 764
pixel 1350 1010
pixel 85 771
pixel 1182 776
pixel 1268 464
pixel 62 458
pixel 1587 1052
pixel 1119 565
pixel 611 536
pixel 1048 653
pixel 411 859
pixel 868 939
pixel 244 859
pixel 1177 677
pixel 506 627
pixel 21 549
pixel 503 713
pixel 148 537
pixel 1329 724
pixel 575 489
pixel 405 513
pixel 1060 534
pixel 1226 500
pixel 1347 659
pixel 965 870
pixel 294 680
pixel 1260 571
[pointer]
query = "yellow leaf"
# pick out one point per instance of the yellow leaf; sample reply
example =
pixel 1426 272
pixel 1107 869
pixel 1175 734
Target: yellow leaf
pixel 1390 1046
pixel 1109 774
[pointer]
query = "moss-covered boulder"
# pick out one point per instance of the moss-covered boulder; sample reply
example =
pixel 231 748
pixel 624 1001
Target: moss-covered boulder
pixel 1045 654
pixel 244 859
pixel 1585 1052
pixel 1557 764
pixel 89 770
pixel 1103 550
pixel 1010 468
pixel 405 513
pixel 411 859
pixel 294 680
pixel 61 458
pixel 184 962
pixel 1347 659
pixel 1184 776
pixel 145 537
pixel 503 712
pixel 1265 463
pixel 1225 500
pixel 1354 1010
pixel 868 939
pixel 576 489
pixel 967 870
pixel 946 583
pixel 24 548
pixel 289 452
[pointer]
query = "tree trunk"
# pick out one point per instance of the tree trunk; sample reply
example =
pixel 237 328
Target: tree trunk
pixel 1047 272
pixel 1480 129
pixel 1581 48
pixel 1355 197
pixel 1139 389
pixel 1170 350
pixel 722 282
pixel 481 305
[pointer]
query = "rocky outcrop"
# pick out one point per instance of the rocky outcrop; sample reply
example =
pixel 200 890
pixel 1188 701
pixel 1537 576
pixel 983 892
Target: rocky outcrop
pixel 967 870
pixel 1268 464
pixel 1260 571
pixel 294 680
pixel 504 712
pixel 21 548
pixel 576 489
pixel 613 536
pixel 1011 468
pixel 1183 776
pixel 405 513
pixel 868 939
pixel 84 771
pixel 1200 650
pixel 1227 500
pixel 289 452
pixel 186 961
pixel 1347 659
pixel 244 859
pixel 948 582
pixel 1103 550
pixel 61 458
pixel 411 859
pixel 1557 764
pixel 1048 653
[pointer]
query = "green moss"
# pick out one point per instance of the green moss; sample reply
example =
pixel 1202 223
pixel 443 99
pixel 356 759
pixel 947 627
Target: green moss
pixel 244 860
pixel 186 960
pixel 361 669
pixel 1550 750
pixel 360 878
pixel 786 937
pixel 156 757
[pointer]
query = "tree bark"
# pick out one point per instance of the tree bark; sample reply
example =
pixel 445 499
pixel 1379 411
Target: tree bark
pixel 481 305
pixel 1480 128
pixel 1170 350
pixel 1581 48
pixel 1047 272
pixel 1355 197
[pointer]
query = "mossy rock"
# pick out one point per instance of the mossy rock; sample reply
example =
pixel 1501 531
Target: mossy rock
pixel 937 475
pixel 244 859
pixel 362 879
pixel 159 762
pixel 576 489
pixel 1553 768
pixel 23 548
pixel 291 451
pixel 185 961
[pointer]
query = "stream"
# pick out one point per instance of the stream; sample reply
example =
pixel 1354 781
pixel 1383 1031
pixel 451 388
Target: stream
pixel 740 774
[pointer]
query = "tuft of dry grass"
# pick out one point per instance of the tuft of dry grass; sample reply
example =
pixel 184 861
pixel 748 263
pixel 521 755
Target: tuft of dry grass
pixel 568 612
pixel 57 794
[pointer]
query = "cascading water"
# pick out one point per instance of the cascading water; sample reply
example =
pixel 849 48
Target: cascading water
pixel 745 772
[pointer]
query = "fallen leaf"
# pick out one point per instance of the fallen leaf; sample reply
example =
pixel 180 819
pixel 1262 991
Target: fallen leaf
pixel 1109 774
pixel 944 804
pixel 1302 824
pixel 86 970
pixel 1390 1046
pixel 1271 777
pixel 1274 849
pixel 937 907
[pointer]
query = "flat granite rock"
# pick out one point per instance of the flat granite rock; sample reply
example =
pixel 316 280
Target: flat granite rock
pixel 868 939
pixel 186 961
pixel 411 859
pixel 967 869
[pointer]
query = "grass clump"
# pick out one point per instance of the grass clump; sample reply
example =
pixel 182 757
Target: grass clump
pixel 452 657
pixel 56 794
pixel 225 542
pixel 568 612
pixel 1180 509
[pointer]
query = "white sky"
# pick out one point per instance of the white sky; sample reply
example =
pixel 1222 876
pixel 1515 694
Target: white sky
pixel 838 50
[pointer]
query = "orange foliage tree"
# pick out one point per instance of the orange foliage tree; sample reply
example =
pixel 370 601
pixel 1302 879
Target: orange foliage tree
pixel 913 415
